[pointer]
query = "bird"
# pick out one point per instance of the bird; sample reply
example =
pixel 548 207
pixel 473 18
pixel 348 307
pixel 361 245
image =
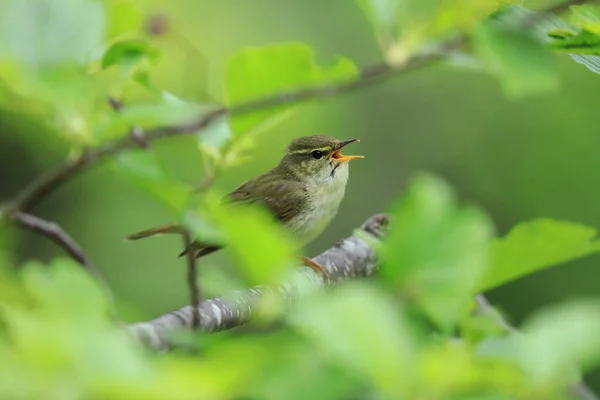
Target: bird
pixel 303 192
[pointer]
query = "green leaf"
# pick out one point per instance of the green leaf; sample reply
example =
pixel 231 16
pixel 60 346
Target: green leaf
pixel 258 72
pixel 559 340
pixel 144 169
pixel 364 330
pixel 591 62
pixel 435 249
pixel 128 52
pixel 535 245
pixel 516 58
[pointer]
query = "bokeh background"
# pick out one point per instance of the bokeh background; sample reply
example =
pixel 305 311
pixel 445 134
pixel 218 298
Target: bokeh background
pixel 518 159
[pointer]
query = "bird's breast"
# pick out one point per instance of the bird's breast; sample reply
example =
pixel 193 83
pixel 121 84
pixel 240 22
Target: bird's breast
pixel 322 204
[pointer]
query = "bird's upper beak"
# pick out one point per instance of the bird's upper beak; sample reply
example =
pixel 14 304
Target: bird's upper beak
pixel 336 155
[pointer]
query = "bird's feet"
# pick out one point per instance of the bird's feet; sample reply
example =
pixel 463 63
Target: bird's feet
pixel 318 268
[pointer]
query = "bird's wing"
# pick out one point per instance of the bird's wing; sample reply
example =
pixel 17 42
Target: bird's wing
pixel 285 198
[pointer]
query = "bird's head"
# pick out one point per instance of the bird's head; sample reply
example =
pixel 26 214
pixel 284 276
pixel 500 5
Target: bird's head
pixel 318 158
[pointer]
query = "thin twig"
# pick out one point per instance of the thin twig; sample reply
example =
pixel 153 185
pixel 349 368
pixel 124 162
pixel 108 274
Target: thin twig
pixel 136 133
pixel 209 178
pixel 115 104
pixel 192 279
pixel 57 235
pixel 63 240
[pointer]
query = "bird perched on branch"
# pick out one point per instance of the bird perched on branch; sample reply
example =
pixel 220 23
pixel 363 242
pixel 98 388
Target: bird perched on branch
pixel 303 192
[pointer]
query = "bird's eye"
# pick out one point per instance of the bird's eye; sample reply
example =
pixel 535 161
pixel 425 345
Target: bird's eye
pixel 316 154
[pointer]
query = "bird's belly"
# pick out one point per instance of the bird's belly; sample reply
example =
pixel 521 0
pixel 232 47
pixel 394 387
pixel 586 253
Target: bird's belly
pixel 322 207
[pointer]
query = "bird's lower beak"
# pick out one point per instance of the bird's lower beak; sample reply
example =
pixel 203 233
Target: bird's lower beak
pixel 339 157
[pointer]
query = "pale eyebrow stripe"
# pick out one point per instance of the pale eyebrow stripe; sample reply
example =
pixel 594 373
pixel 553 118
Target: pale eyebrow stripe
pixel 307 151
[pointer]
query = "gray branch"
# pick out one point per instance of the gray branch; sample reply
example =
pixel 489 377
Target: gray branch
pixel 351 258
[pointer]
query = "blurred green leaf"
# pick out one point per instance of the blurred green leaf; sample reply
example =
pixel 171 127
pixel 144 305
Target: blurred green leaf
pixel 453 367
pixel 203 227
pixel 44 47
pixel 401 26
pixel 257 72
pixel 124 16
pixel 364 330
pixel 211 139
pixel 435 250
pixel 67 333
pixel 383 16
pixel 585 16
pixel 535 245
pixel 144 169
pixel 312 374
pixel 48 32
pixel 65 288
pixel 134 58
pixel 516 58
pixel 559 340
pixel 66 347
pixel 263 249
pixel 144 116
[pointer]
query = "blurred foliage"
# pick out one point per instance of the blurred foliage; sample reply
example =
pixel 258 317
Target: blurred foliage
pixel 410 332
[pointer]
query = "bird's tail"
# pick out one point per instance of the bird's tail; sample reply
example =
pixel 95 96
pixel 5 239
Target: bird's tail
pixel 167 228
pixel 199 249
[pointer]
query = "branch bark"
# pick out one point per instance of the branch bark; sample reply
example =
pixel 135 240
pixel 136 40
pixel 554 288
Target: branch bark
pixel 351 258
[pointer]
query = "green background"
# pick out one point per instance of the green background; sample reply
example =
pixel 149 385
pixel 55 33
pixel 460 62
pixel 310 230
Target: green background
pixel 518 159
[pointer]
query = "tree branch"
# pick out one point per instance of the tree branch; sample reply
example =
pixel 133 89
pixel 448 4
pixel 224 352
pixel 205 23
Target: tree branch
pixel 351 258
pixel 55 233
pixel 63 240
pixel 33 193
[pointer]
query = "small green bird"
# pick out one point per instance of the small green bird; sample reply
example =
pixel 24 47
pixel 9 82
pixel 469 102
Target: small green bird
pixel 303 191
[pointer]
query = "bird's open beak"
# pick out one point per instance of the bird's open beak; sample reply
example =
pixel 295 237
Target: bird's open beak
pixel 336 155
